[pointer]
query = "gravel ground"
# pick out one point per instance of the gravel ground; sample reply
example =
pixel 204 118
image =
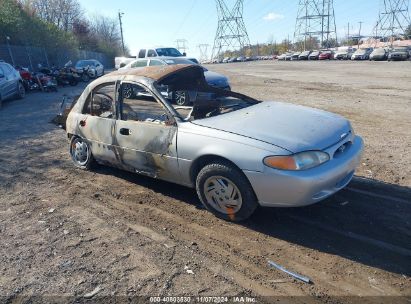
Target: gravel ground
pixel 69 234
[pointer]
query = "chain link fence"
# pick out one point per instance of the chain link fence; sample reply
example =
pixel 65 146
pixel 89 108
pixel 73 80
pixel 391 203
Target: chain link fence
pixel 31 57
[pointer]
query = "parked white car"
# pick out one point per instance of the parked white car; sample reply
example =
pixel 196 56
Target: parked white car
pixel 95 67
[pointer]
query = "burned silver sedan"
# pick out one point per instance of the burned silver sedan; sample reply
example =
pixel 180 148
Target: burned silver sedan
pixel 237 152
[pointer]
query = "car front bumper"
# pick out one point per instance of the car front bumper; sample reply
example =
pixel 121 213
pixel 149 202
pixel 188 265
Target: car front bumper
pixel 277 188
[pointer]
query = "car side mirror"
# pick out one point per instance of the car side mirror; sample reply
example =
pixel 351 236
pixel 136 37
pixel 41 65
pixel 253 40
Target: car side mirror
pixel 184 54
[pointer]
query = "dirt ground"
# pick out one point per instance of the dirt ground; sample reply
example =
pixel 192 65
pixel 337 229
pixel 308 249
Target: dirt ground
pixel 66 233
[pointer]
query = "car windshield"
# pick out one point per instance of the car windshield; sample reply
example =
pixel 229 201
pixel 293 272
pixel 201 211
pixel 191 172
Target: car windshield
pixel 172 61
pixel 172 52
pixel 84 63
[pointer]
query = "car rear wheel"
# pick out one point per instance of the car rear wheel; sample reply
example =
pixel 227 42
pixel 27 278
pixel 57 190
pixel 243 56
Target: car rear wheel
pixel 225 191
pixel 80 152
pixel 21 91
pixel 181 98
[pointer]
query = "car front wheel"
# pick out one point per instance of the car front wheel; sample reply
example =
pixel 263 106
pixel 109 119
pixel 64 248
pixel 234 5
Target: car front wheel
pixel 225 191
pixel 21 91
pixel 80 152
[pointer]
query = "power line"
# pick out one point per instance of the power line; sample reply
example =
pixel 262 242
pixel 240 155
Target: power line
pixel 183 21
pixel 231 31
pixel 315 19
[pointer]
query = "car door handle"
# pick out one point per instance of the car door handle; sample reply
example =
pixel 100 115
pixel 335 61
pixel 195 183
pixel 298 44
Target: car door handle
pixel 125 131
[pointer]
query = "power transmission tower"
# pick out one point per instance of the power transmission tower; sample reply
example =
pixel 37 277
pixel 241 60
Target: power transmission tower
pixel 231 32
pixel 182 45
pixel 203 52
pixel 393 19
pixel 315 20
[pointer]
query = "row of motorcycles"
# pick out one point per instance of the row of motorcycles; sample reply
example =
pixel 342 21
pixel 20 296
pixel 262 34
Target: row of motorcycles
pixel 48 79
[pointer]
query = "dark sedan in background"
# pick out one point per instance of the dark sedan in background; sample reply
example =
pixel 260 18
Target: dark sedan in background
pixel 304 55
pixel 314 55
pixel 398 54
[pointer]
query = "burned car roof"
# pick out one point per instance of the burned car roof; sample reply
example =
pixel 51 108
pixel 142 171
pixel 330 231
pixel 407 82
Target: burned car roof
pixel 158 73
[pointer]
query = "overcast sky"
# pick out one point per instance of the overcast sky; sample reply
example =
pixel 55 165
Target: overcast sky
pixel 162 22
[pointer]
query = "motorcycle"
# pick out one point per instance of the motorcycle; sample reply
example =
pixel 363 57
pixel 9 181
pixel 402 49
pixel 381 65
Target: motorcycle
pixel 46 82
pixel 29 83
pixel 64 76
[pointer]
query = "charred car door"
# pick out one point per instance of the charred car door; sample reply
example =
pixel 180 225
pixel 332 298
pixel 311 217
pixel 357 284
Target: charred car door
pixel 146 133
pixel 97 123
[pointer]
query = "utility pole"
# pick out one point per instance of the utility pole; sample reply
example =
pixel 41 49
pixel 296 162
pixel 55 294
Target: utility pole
pixel 359 33
pixel 120 15
pixel 231 32
pixel 348 34
pixel 9 48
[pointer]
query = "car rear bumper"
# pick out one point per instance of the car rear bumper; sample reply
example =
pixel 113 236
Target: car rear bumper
pixel 277 188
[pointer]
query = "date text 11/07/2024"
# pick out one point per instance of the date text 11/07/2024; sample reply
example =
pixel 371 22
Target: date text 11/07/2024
pixel 237 299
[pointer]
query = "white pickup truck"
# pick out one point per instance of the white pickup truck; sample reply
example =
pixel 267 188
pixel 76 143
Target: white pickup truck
pixel 151 52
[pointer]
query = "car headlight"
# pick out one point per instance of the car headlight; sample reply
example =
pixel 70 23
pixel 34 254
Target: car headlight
pixel 297 162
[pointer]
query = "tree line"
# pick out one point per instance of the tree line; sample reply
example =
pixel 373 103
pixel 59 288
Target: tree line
pixel 58 24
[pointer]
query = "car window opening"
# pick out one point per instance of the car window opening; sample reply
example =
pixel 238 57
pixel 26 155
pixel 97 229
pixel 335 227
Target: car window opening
pixel 100 101
pixel 138 104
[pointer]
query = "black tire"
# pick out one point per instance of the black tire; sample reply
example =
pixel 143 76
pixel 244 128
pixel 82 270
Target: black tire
pixel 21 91
pixel 88 156
pixel 181 98
pixel 226 171
pixel 85 77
